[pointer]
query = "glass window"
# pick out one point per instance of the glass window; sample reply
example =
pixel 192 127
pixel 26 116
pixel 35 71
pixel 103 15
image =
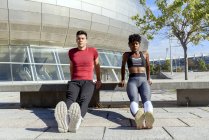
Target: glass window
pixel 19 54
pixel 63 56
pixel 4 54
pixel 21 72
pixel 47 72
pixel 5 74
pixel 103 60
pixel 66 72
pixel 43 55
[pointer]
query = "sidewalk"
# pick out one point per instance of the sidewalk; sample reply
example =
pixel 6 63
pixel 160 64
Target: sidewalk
pixel 105 123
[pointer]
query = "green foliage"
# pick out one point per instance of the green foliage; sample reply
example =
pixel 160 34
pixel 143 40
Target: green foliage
pixel 152 72
pixel 179 69
pixel 166 66
pixel 188 21
pixel 201 65
pixel 207 65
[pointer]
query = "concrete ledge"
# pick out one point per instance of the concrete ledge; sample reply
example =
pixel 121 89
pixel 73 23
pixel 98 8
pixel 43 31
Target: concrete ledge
pixel 189 92
pixel 193 97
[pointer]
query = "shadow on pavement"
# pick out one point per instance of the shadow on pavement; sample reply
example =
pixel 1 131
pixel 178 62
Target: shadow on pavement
pixel 114 117
pixel 10 105
pixel 45 120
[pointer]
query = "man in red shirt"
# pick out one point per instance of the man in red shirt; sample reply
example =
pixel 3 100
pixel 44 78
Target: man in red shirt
pixel 83 60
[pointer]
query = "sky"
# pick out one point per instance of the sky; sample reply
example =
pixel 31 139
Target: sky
pixel 159 47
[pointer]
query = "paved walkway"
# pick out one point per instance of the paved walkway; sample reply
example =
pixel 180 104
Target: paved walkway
pixel 171 122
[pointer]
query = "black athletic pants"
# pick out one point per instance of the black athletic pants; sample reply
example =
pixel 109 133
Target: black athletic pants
pixel 80 91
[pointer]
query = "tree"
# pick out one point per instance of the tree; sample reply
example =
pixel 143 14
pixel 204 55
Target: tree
pixel 166 66
pixel 187 20
pixel 191 64
pixel 152 72
pixel 201 65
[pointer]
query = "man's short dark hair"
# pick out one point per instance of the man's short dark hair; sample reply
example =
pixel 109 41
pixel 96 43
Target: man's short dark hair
pixel 81 32
pixel 134 37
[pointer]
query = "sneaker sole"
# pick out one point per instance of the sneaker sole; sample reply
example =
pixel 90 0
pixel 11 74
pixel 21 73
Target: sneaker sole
pixel 75 114
pixel 139 118
pixel 149 119
pixel 60 116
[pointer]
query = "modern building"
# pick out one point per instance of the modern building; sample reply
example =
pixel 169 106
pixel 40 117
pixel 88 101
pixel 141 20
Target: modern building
pixel 35 36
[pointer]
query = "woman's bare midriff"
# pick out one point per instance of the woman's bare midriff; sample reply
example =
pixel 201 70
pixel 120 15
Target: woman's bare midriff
pixel 137 70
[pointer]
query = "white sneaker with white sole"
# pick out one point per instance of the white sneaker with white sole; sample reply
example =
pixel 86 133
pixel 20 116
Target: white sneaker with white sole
pixel 74 113
pixel 61 117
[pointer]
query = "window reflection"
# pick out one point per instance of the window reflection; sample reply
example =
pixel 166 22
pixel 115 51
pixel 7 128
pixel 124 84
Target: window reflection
pixel 5 74
pixel 47 72
pixel 24 63
pixel 4 54
pixel 42 55
pixel 66 72
pixel 21 72
pixel 63 56
pixel 19 54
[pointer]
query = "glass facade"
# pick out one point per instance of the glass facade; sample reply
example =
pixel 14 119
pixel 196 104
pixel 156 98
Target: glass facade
pixel 35 36
pixel 32 63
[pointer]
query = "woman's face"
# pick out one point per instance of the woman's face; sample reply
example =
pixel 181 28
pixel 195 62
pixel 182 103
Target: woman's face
pixel 134 46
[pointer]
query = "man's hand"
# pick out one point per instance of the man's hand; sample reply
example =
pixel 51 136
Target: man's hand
pixel 98 84
pixel 122 83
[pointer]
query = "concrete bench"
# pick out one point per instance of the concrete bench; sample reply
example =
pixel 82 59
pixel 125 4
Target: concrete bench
pixel 46 94
pixel 189 93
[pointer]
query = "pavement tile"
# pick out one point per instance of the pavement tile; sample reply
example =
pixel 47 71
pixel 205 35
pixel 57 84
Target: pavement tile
pixel 189 133
pixel 20 133
pixel 169 115
pixel 130 133
pixel 106 122
pixel 84 133
pixel 200 122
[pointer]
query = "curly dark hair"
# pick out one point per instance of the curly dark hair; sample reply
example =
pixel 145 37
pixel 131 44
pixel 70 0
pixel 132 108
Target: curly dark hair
pixel 134 37
pixel 81 32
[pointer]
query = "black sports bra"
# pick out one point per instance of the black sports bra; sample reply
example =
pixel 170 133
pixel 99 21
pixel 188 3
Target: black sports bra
pixel 136 62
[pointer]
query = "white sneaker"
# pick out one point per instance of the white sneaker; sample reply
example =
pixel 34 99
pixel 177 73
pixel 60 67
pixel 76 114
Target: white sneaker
pixel 139 119
pixel 149 119
pixel 61 117
pixel 75 117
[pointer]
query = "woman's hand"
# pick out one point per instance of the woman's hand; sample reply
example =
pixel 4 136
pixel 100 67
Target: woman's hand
pixel 122 83
pixel 149 81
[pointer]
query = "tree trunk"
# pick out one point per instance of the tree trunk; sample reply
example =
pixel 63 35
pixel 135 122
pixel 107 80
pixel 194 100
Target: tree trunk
pixel 185 62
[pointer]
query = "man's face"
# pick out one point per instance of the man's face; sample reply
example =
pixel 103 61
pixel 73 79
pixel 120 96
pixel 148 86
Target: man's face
pixel 134 46
pixel 81 40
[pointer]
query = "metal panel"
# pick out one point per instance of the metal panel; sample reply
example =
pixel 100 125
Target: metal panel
pixel 23 5
pixel 79 14
pixel 24 27
pixel 24 17
pixel 49 19
pixel 100 19
pixel 70 3
pixel 77 23
pixel 54 29
pixel 108 13
pixel 91 8
pixel 114 30
pixel 99 27
pixel 24 35
pixel 3 27
pixel 3 4
pixel 3 15
pixel 52 37
pixel 55 10
pixel 115 23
